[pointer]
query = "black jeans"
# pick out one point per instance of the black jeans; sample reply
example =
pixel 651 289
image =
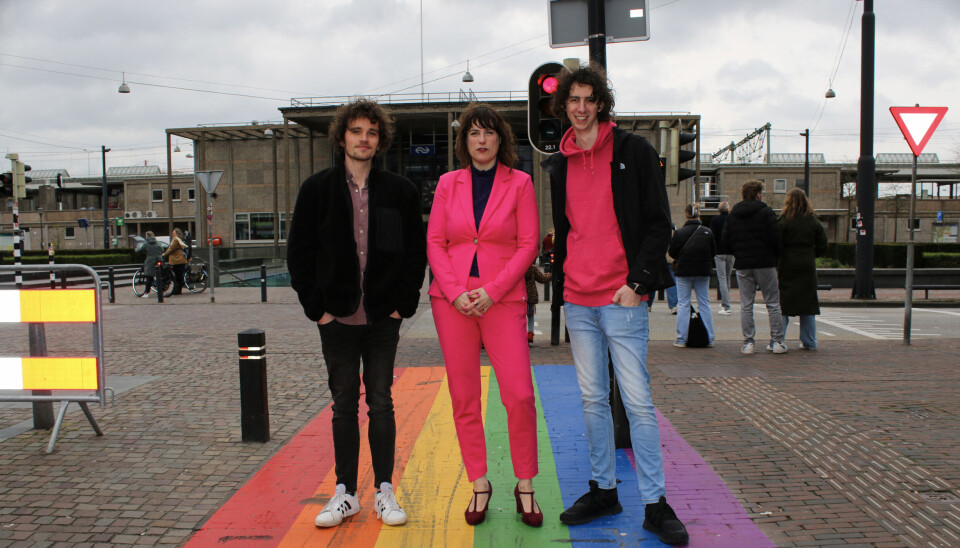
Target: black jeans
pixel 178 270
pixel 344 346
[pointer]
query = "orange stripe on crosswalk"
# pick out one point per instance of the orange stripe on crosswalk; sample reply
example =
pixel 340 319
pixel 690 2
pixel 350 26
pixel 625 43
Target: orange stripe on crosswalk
pixel 43 373
pixel 413 395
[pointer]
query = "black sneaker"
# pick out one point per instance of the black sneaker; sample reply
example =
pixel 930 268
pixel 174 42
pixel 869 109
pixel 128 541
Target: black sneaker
pixel 662 520
pixel 598 502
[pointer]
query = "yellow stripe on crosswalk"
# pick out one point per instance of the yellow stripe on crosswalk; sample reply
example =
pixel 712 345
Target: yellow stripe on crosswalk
pixel 434 490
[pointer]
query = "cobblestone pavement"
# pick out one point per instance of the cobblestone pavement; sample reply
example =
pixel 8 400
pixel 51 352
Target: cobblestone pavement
pixel 855 443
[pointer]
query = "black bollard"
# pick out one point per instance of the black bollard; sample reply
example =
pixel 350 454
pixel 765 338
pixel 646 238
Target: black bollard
pixel 263 283
pixel 113 298
pixel 63 279
pixel 254 413
pixel 42 410
pixel 158 282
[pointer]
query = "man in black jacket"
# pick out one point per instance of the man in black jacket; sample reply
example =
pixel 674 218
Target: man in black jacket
pixel 357 257
pixel 612 218
pixel 752 234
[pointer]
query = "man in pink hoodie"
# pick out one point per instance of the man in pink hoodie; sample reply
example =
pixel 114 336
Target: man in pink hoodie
pixel 612 221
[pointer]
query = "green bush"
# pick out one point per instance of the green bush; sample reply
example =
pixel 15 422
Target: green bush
pixel 926 255
pixel 89 257
pixel 941 260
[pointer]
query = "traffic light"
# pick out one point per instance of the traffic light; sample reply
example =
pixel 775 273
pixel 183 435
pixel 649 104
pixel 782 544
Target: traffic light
pixel 19 179
pixel 6 189
pixel 544 129
pixel 679 155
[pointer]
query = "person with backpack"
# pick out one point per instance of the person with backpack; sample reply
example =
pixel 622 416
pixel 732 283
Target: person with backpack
pixel 692 248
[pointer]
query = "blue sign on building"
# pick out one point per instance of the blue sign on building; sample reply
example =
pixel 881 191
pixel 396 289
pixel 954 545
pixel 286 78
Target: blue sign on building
pixel 423 150
pixel 940 216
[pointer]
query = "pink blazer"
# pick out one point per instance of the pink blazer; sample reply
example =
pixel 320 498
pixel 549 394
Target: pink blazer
pixel 505 245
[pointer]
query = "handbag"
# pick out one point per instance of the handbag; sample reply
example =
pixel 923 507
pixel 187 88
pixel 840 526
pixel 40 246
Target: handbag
pixel 697 336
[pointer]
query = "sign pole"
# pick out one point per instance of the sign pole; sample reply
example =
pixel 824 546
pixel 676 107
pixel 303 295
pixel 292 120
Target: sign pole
pixel 908 299
pixel 210 275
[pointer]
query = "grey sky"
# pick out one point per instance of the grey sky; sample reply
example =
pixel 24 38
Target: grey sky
pixel 737 63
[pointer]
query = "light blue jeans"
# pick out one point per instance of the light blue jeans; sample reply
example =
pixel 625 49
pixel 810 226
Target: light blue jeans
pixel 808 330
pixel 624 332
pixel 685 286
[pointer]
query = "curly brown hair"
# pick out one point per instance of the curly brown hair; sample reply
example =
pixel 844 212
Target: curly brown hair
pixel 751 189
pixel 486 117
pixel 797 205
pixel 592 75
pixel 361 108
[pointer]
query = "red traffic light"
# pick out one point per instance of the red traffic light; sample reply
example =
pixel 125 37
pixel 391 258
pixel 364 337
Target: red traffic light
pixel 548 83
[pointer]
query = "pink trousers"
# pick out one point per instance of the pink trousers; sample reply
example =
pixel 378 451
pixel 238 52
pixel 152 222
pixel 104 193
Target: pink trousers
pixel 503 331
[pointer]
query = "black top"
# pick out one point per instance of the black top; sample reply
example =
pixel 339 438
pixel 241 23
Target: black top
pixel 482 186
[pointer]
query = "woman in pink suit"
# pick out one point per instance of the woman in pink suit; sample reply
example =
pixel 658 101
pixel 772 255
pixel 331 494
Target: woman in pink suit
pixel 483 234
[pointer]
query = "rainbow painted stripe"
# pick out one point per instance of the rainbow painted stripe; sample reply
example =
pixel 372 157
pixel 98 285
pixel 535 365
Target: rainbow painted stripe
pixel 277 505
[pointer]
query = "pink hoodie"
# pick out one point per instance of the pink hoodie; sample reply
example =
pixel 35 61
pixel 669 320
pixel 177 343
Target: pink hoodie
pixel 596 264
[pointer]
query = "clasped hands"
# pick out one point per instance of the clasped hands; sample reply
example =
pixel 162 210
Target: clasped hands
pixel 473 303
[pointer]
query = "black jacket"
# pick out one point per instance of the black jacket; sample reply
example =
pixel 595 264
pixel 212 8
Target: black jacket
pixel 640 203
pixel 692 248
pixel 752 234
pixel 322 252
pixel 716 226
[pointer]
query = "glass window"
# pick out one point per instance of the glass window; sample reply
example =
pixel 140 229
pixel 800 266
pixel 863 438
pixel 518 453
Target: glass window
pixel 69 232
pixel 257 226
pixel 191 195
pixel 779 186
pixel 157 195
pixel 176 194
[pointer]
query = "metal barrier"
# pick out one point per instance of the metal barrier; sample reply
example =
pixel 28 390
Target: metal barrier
pixel 62 379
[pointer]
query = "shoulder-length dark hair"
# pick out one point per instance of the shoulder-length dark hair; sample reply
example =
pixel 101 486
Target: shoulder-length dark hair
pixel 486 117
pixel 592 75
pixel 797 205
pixel 361 108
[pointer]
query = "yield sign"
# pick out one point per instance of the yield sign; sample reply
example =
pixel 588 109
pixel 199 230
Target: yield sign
pixel 918 124
pixel 209 179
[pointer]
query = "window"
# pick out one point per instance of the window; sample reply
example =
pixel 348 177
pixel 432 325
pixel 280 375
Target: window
pixel 191 195
pixel 257 226
pixel 176 194
pixel 69 232
pixel 157 194
pixel 779 186
pixel 916 223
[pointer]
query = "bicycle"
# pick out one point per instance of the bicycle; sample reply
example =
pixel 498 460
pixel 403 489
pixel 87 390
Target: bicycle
pixel 164 280
pixel 195 277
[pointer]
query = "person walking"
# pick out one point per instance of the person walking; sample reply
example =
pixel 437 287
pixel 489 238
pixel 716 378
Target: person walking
pixel 482 236
pixel 175 255
pixel 612 220
pixel 357 257
pixel 154 254
pixel 802 240
pixel 532 277
pixel 752 233
pixel 692 248
pixel 723 259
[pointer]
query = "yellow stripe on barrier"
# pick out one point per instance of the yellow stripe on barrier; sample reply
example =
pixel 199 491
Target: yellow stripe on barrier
pixel 61 305
pixel 59 373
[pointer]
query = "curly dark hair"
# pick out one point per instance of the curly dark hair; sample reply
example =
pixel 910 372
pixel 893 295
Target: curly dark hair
pixel 486 117
pixel 361 108
pixel 592 75
pixel 751 189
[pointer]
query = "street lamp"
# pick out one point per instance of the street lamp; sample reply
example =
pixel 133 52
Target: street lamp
pixel 106 228
pixel 806 161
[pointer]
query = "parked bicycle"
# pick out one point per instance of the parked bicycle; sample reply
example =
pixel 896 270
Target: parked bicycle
pixel 195 279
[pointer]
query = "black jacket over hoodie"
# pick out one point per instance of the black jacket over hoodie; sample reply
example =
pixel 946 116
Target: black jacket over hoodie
pixel 692 248
pixel 753 235
pixel 322 252
pixel 640 203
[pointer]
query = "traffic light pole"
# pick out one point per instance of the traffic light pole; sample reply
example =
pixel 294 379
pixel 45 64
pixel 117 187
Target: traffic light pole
pixel 106 228
pixel 597 33
pixel 863 287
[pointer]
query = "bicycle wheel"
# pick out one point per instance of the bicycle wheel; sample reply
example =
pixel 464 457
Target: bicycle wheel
pixel 139 282
pixel 199 282
pixel 167 282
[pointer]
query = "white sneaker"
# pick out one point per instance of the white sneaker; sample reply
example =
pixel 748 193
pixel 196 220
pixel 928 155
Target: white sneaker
pixel 145 296
pixel 341 505
pixel 779 348
pixel 724 312
pixel 388 511
pixel 679 344
pixel 747 348
pixel 673 311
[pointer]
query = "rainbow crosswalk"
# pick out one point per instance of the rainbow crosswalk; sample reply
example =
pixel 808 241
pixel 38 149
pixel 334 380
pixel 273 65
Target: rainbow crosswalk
pixel 277 506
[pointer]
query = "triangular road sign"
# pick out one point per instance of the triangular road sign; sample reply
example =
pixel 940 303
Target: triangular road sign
pixel 209 179
pixel 918 124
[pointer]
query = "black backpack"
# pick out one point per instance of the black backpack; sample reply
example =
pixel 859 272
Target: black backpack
pixel 697 336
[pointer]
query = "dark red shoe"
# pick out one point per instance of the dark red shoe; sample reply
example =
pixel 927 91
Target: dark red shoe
pixel 476 516
pixel 533 518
